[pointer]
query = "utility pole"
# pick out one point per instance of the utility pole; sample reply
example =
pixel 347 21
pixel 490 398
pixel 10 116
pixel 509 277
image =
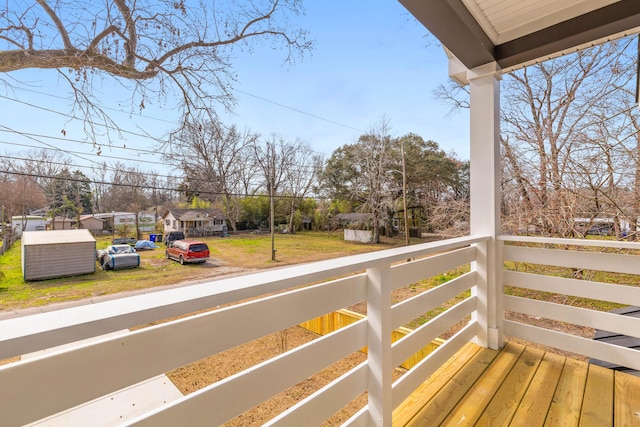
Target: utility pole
pixel 272 223
pixel 272 178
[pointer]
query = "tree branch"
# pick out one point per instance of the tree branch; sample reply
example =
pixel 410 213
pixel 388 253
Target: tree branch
pixel 56 20
pixel 71 58
pixel 131 42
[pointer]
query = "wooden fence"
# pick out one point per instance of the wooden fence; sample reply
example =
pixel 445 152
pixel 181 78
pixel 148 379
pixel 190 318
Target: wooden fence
pixel 7 241
pixel 328 323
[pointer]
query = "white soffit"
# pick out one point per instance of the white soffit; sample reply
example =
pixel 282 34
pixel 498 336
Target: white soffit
pixel 506 20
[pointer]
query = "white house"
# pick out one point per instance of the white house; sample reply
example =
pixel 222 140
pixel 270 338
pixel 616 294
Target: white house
pixel 22 223
pixel 194 222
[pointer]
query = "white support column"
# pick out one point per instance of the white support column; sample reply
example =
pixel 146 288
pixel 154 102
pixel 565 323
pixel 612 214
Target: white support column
pixel 485 198
pixel 379 342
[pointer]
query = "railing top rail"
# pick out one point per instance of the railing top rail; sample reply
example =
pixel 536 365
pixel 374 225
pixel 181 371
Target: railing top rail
pixel 71 324
pixel 576 242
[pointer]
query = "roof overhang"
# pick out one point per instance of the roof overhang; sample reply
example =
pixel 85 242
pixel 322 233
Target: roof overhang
pixel 472 31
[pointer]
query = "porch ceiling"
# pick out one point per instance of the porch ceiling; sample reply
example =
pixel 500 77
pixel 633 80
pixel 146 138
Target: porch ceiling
pixel 514 33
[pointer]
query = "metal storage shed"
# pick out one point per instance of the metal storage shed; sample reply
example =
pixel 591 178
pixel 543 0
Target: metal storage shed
pixel 57 253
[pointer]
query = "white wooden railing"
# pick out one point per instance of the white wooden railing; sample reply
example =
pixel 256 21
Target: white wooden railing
pixel 259 304
pixel 62 378
pixel 575 255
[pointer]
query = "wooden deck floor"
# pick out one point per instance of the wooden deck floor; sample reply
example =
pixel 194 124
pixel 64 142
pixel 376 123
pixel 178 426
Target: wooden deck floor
pixel 521 386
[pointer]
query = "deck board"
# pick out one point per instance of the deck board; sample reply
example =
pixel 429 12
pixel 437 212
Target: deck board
pixel 471 407
pixel 534 407
pixel 597 405
pixel 505 403
pixel 627 400
pixel 442 402
pixel 567 400
pixel 410 408
pixel 522 386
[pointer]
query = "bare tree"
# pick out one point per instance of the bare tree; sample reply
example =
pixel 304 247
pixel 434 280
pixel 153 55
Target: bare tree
pixel 44 164
pixel 20 194
pixel 169 49
pixel 214 159
pixel 376 156
pixel 301 173
pixel 565 138
pixel 273 156
pixel 100 186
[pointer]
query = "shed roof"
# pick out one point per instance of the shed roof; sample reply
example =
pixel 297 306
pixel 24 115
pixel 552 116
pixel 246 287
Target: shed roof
pixel 56 237
pixel 28 218
pixel 85 217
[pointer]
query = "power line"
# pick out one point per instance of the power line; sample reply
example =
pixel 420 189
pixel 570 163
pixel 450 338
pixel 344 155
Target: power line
pixel 289 166
pixel 79 141
pixel 297 110
pixel 72 166
pixel 108 127
pixel 150 187
pixel 105 156
pixel 261 98
pixel 103 108
pixel 315 116
pixel 48 145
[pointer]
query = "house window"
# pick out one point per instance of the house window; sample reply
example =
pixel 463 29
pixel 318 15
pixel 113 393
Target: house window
pixel 167 222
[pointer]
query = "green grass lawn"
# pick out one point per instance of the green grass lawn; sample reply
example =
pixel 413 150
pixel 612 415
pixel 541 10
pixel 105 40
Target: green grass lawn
pixel 242 251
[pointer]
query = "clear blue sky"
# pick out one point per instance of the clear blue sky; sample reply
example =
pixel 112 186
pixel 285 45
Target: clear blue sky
pixel 371 59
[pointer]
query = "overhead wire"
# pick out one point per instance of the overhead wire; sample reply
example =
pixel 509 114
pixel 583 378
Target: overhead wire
pixel 83 155
pixel 79 141
pixel 151 187
pixel 67 151
pixel 69 116
pixel 261 98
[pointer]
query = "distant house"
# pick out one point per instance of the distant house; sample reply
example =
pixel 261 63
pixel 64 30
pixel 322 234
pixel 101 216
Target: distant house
pixel 22 223
pixel 40 212
pixel 61 223
pixel 127 220
pixel 91 223
pixel 362 221
pixel 194 222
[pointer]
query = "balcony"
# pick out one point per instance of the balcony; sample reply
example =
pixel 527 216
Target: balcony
pixel 96 361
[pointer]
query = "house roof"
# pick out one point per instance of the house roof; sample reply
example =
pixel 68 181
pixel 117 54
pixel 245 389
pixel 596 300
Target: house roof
pixel 354 216
pixel 85 217
pixel 515 33
pixel 192 214
pixel 61 219
pixel 28 218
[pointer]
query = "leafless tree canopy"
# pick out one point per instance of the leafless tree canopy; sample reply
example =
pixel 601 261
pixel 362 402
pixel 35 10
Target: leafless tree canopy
pixel 171 49
pixel 567 139
pixel 217 162
pixel 570 142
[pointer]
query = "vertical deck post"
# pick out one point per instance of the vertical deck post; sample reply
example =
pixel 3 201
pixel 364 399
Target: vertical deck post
pixel 379 342
pixel 485 198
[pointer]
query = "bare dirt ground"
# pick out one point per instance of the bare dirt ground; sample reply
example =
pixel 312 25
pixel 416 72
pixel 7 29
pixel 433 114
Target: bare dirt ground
pixel 199 374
